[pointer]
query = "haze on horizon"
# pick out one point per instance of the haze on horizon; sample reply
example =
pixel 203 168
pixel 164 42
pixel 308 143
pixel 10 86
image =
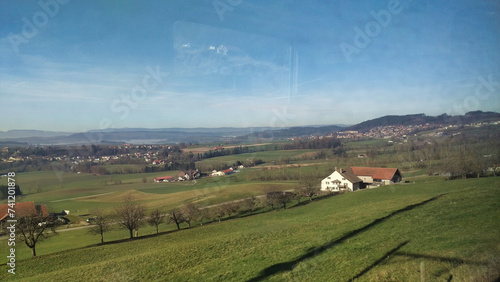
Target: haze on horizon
pixel 77 66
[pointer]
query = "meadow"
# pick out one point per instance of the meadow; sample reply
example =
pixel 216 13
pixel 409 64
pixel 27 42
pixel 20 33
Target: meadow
pixel 81 193
pixel 433 229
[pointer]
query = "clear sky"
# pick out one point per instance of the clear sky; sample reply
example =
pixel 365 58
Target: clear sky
pixel 68 65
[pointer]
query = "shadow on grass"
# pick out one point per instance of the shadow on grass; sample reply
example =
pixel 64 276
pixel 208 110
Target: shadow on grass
pixel 381 259
pixel 136 238
pixel 289 265
pixel 395 252
pixel 455 262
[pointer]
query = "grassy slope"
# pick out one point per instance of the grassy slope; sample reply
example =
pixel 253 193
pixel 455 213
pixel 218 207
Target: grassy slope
pixel 377 234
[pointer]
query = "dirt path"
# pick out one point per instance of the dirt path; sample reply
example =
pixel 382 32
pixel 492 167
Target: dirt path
pixel 288 165
pixel 83 197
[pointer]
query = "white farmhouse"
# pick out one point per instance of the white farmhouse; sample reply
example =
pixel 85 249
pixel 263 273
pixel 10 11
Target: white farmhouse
pixel 341 180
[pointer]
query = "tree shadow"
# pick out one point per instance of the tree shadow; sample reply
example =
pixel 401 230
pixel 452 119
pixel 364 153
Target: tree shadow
pixel 288 266
pixel 455 262
pixel 380 260
pixel 131 239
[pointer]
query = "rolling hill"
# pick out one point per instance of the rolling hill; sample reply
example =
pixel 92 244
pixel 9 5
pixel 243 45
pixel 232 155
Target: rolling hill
pixel 435 230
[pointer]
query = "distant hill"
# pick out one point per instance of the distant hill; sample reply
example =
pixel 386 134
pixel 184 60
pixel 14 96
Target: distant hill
pixel 31 133
pixel 207 135
pixel 415 119
pixel 412 119
pixel 294 132
pixel 133 136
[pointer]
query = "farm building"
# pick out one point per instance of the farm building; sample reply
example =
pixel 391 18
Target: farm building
pixel 222 172
pixel 355 178
pixel 187 175
pixel 22 209
pixel 341 180
pixel 377 175
pixel 164 179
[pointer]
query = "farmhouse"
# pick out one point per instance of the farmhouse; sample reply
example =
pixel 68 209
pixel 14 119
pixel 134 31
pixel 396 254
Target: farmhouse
pixel 223 172
pixel 217 173
pixel 187 175
pixel 22 209
pixel 164 179
pixel 377 175
pixel 341 180
pixel 360 177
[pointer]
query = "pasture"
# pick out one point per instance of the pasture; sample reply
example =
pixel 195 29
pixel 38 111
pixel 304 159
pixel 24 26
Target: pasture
pixel 80 193
pixel 436 229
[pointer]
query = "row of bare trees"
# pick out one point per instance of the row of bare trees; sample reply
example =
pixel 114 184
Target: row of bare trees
pixel 131 214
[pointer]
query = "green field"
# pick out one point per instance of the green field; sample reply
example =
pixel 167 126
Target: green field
pixel 269 157
pixel 80 193
pixel 442 230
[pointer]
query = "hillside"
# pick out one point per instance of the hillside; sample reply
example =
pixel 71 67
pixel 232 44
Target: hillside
pixel 232 134
pixel 446 229
pixel 416 119
pixel 413 119
pixel 293 132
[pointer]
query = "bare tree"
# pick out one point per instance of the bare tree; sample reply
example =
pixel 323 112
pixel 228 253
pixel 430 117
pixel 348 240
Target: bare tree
pixel 101 223
pixel 284 198
pixel 230 208
pixel 32 229
pixel 297 194
pixel 204 214
pixel 192 212
pixel 156 218
pixel 131 214
pixel 176 216
pixel 218 212
pixel 272 198
pixel 250 204
pixel 309 186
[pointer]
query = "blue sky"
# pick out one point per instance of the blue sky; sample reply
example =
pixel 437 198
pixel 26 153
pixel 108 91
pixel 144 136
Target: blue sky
pixel 68 65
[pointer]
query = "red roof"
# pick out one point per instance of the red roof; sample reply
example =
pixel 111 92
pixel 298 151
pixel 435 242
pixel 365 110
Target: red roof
pixel 163 177
pixel 23 209
pixel 374 172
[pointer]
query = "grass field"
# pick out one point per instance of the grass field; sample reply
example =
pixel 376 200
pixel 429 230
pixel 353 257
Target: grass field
pixel 80 193
pixel 442 230
pixel 269 157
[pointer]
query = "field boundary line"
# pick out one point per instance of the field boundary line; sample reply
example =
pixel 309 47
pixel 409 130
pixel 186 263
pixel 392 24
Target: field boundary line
pixel 83 197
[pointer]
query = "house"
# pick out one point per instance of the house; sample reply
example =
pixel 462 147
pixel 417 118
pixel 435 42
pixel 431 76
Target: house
pixel 187 175
pixel 377 175
pixel 164 179
pixel 341 180
pixel 223 172
pixel 182 175
pixel 217 173
pixel 22 209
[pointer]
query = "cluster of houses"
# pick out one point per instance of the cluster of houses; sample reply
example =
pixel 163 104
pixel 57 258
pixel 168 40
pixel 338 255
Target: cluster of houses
pixel 355 178
pixel 195 174
pixel 181 176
